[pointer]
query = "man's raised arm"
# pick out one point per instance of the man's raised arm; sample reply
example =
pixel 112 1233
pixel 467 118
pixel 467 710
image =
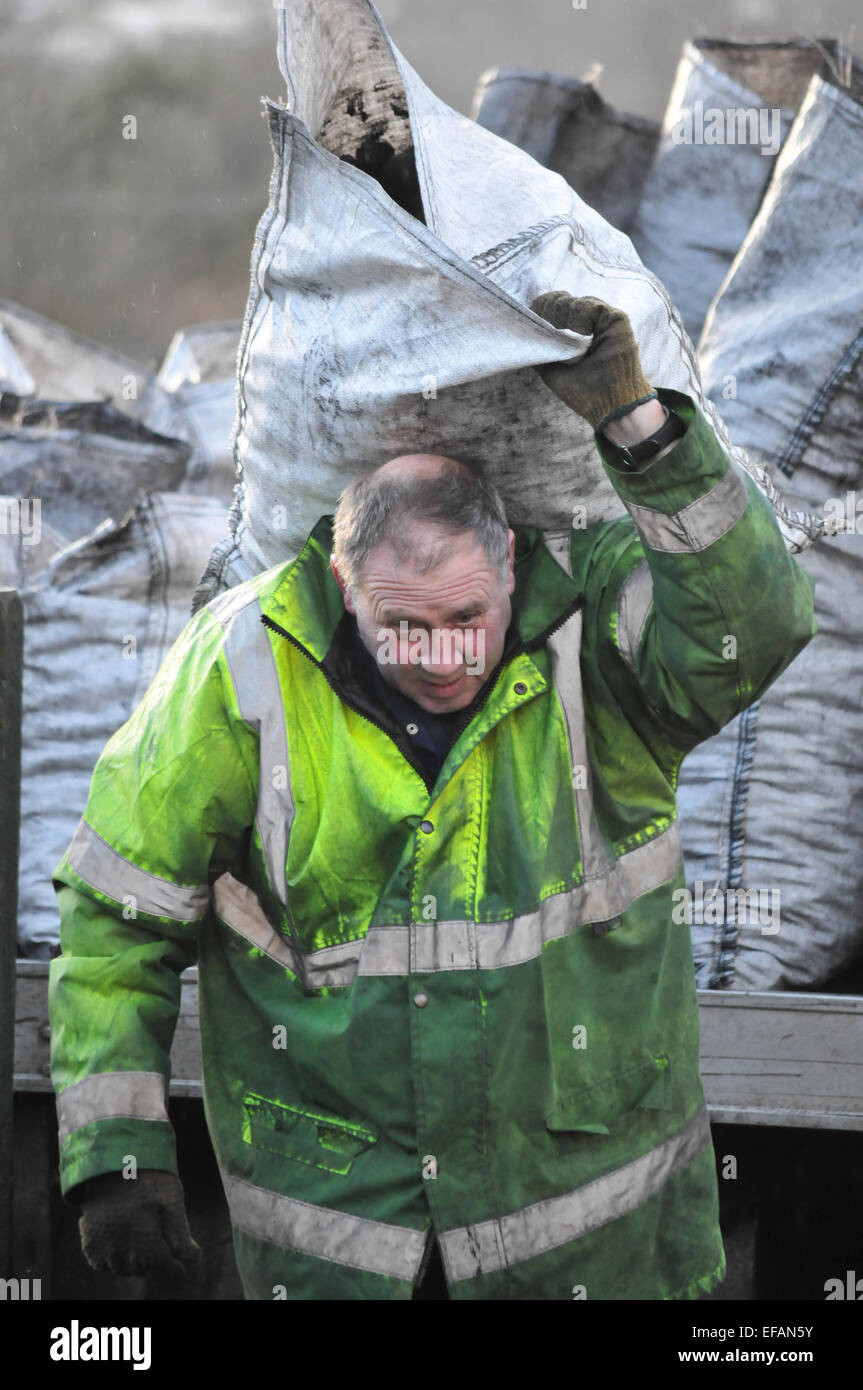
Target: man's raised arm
pixel 696 598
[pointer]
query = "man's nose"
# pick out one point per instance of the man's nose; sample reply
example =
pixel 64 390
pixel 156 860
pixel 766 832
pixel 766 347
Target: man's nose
pixel 444 657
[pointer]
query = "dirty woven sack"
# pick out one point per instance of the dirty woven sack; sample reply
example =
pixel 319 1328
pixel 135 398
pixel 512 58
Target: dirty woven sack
pixel 565 124
pixel 75 464
pixel 727 117
pixel 98 622
pixel 198 381
pixel 771 805
pixel 369 333
pixel 52 362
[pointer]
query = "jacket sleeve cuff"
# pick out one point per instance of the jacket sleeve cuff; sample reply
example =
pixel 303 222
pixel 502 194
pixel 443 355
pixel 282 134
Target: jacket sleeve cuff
pixel 690 497
pixel 110 1145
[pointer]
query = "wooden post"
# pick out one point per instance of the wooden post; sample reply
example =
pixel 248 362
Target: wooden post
pixel 11 657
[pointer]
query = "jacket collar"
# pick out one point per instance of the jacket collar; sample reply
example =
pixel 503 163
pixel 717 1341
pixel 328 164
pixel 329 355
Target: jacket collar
pixel 308 607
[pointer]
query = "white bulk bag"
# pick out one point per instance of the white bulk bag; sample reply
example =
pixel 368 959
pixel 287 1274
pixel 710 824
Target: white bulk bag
pixel 771 805
pixel 78 463
pixel 61 365
pixel 198 377
pixel 98 622
pixel 727 117
pixel 565 124
pixel 369 333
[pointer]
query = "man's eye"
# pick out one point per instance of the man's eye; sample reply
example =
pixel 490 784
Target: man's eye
pixel 466 617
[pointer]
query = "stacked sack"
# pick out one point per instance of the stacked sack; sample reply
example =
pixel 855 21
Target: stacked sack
pixel 783 348
pixel 114 487
pixel 758 241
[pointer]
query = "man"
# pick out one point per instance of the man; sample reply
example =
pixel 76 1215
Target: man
pixel 411 805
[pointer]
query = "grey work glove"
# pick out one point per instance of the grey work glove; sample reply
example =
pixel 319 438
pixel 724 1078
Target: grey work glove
pixel 138 1226
pixel 608 381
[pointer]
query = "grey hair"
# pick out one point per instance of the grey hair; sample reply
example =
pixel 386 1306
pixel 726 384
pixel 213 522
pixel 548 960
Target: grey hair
pixel 377 510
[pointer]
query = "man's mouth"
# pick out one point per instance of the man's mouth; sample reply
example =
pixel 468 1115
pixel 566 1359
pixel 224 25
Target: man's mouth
pixel 443 687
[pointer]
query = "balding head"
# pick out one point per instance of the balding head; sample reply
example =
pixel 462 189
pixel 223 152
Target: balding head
pixel 413 466
pixel 413 505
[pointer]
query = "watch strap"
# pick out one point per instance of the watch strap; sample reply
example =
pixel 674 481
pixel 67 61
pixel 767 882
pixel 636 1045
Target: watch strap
pixel 671 429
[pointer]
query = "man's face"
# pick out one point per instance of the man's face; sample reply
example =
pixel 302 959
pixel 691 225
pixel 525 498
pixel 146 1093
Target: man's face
pixel 438 635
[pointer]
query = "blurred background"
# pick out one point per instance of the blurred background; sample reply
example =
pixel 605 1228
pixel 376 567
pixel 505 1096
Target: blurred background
pixel 127 240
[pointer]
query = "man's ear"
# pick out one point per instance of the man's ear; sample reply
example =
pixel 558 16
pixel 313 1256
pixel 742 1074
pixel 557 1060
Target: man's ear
pixel 346 593
pixel 510 584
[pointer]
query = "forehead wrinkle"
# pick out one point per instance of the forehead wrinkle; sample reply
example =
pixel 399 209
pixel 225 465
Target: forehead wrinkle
pixel 400 586
pixel 387 610
pixel 463 591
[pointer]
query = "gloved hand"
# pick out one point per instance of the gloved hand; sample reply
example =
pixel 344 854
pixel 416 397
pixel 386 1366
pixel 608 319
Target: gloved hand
pixel 138 1226
pixel 608 381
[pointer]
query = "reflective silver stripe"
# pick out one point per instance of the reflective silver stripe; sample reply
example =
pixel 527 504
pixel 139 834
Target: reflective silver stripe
pixel 374 1246
pixel 634 603
pixel 108 872
pixel 428 947
pixel 111 1095
pixel 249 654
pixel 565 648
pixel 698 524
pixel 239 907
pixel 493 1245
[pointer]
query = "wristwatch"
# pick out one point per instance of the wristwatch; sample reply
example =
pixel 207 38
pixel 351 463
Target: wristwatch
pixel 631 455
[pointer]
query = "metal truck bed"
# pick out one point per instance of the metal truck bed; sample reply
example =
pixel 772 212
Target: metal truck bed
pixel 774 1058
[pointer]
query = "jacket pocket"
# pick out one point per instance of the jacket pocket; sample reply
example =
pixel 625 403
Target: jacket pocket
pixel 646 1085
pixel 325 1141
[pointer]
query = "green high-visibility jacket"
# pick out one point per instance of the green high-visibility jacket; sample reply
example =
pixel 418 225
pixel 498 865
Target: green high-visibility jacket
pixel 461 1007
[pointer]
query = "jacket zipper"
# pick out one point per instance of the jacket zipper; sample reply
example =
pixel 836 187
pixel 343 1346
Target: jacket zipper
pixel 270 622
pixel 518 650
